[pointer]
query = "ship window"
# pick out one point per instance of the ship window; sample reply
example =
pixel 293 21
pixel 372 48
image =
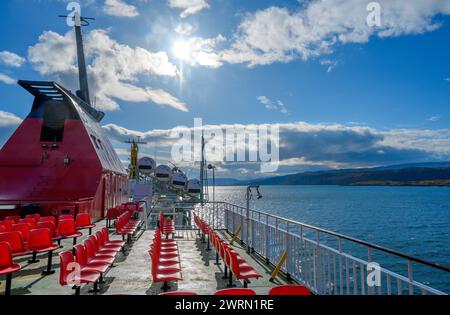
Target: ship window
pixel 100 144
pixel 53 124
pixel 94 139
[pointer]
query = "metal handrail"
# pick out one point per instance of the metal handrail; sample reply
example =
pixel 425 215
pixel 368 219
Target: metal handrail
pixel 349 238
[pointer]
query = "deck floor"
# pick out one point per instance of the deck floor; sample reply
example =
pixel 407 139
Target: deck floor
pixel 131 274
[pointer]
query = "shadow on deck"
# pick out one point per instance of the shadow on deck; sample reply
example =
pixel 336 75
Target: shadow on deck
pixel 131 274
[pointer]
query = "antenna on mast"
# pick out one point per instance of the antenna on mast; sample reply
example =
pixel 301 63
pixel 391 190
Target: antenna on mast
pixel 80 21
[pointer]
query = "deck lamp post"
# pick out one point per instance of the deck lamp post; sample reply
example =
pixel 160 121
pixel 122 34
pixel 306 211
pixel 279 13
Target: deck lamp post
pixel 247 219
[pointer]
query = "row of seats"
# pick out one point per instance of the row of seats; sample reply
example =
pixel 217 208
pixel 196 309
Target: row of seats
pixel 167 226
pixel 34 235
pixel 12 245
pixel 66 229
pixel 92 260
pixel 133 208
pixel 237 265
pixel 82 221
pixel 278 290
pixel 165 260
pixel 126 226
pixel 203 228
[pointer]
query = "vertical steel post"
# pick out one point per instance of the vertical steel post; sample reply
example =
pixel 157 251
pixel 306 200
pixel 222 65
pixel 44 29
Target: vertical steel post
pixel 247 219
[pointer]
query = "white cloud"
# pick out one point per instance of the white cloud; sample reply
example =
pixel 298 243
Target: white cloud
pixel 434 118
pixel 120 8
pixel 305 146
pixel 11 59
pixel 7 79
pixel 9 119
pixel 185 29
pixel 272 105
pixel 319 26
pixel 115 70
pixel 199 51
pixel 330 64
pixel 447 79
pixel 188 6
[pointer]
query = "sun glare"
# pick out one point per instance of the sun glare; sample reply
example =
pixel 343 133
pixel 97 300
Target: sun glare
pixel 182 49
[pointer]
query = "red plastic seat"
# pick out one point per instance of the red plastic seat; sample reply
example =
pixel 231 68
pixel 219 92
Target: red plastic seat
pixel 102 251
pixel 14 218
pixel 8 224
pixel 47 219
pixel 176 293
pixel 167 227
pixel 67 229
pixel 31 221
pixel 23 228
pixel 74 276
pixel 7 265
pixel 15 240
pixel 35 216
pixel 231 292
pixel 165 264
pixel 242 271
pixel 164 276
pixel 83 221
pixel 103 245
pixel 125 226
pixel 93 255
pixel 223 252
pixel 94 265
pixel 113 214
pixel 49 225
pixel 290 290
pixel 66 217
pixel 2 229
pixel 41 241
pixel 108 241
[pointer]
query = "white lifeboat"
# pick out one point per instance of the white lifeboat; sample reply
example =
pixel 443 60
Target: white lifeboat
pixel 194 187
pixel 146 165
pixel 163 172
pixel 178 181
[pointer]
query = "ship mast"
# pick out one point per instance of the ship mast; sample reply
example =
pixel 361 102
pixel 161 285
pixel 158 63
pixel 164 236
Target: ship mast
pixel 134 153
pixel 83 93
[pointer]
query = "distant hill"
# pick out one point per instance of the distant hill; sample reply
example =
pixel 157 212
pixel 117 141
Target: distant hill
pixel 225 182
pixel 423 174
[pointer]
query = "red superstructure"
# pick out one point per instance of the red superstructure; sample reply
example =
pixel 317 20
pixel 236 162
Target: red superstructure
pixel 59 159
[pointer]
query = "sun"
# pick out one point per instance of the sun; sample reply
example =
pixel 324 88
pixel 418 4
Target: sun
pixel 182 49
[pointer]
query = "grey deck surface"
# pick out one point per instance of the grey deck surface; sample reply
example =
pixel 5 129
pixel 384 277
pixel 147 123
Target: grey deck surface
pixel 131 274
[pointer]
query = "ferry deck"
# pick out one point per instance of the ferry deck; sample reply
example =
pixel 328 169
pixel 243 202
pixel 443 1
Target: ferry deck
pixel 281 252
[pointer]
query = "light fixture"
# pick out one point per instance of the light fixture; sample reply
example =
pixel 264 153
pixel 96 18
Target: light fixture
pixel 258 194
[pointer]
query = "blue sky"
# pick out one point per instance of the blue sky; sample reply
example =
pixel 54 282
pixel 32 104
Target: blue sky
pixel 371 95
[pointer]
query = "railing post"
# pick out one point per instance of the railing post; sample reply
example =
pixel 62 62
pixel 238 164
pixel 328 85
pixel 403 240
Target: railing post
pixel 317 269
pixel 243 226
pixel 369 260
pixel 267 235
pixel 341 279
pixel 289 254
pixel 410 277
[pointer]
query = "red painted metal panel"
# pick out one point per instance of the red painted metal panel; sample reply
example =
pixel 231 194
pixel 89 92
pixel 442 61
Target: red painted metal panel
pixel 82 171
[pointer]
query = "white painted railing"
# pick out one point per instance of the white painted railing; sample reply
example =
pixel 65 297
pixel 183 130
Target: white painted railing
pixel 325 261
